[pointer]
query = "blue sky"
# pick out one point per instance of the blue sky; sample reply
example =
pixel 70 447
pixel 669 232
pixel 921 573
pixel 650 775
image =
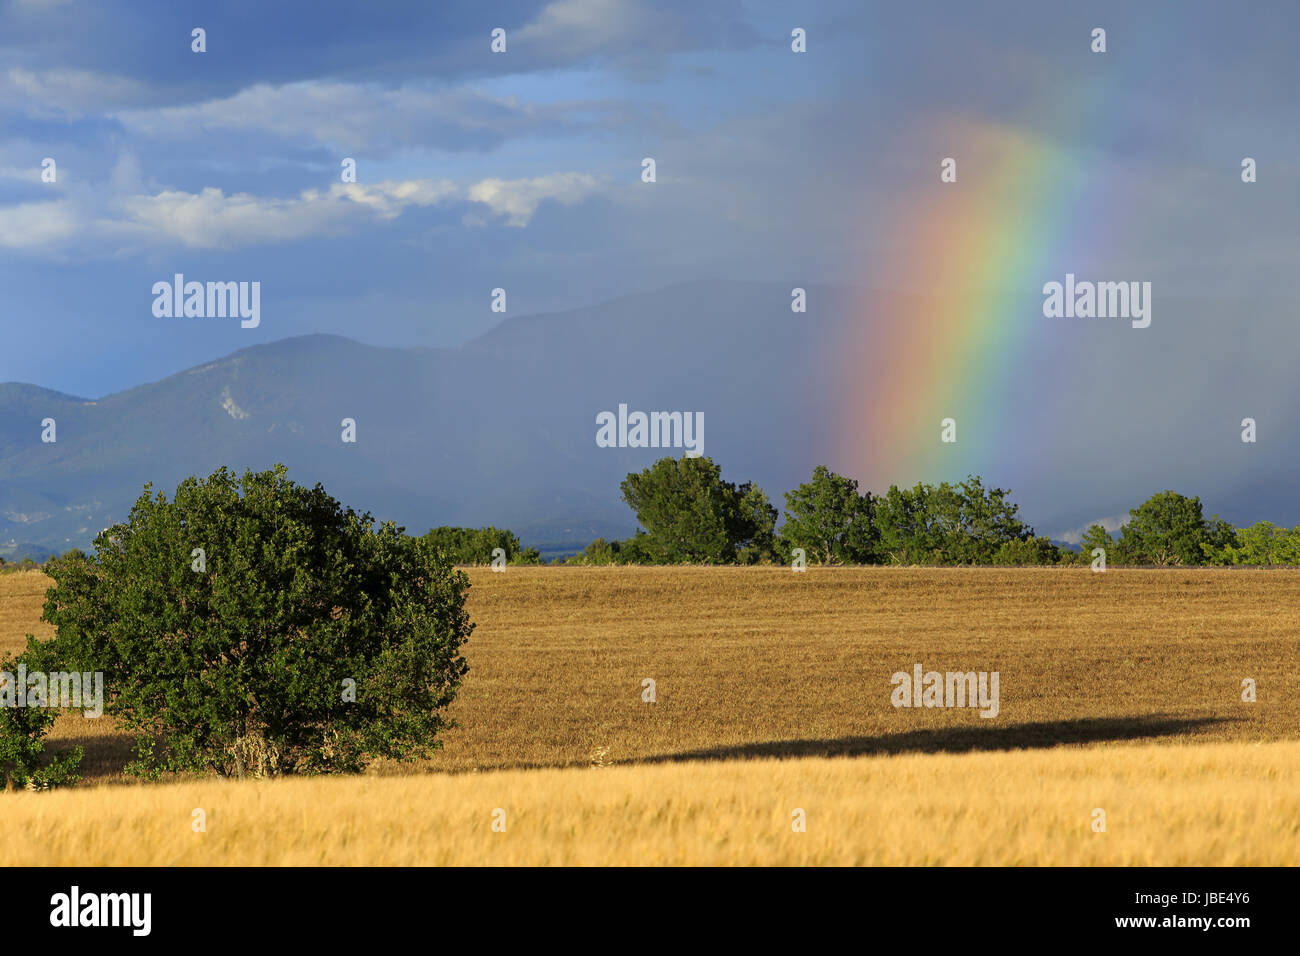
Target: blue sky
pixel 225 165
pixel 475 170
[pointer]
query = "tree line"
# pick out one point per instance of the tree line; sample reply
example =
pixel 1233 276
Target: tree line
pixel 688 514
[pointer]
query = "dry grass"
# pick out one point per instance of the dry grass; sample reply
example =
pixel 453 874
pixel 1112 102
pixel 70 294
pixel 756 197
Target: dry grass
pixel 22 595
pixel 1225 803
pixel 765 662
pixel 753 662
pixel 1136 673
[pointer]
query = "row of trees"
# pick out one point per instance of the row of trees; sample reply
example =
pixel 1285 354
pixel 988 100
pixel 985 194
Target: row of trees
pixel 1261 543
pixel 477 545
pixel 26 564
pixel 689 514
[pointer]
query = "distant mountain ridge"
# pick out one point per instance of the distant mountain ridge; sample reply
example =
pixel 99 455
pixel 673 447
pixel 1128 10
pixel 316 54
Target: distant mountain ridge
pixel 498 431
pixel 502 430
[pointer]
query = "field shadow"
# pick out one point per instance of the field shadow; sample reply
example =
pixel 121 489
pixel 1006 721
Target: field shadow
pixel 1042 735
pixel 104 754
pixel 107 753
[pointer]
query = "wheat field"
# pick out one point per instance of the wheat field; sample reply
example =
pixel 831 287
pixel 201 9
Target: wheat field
pixel 1119 691
pixel 1224 803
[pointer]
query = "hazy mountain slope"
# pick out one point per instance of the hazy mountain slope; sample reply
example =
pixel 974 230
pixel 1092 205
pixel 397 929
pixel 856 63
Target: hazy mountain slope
pixel 499 431
pixel 502 430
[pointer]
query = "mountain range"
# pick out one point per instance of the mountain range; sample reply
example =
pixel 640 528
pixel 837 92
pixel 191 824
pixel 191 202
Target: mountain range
pixel 498 431
pixel 502 430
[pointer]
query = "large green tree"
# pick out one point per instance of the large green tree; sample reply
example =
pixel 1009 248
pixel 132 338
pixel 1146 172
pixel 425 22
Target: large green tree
pixel 252 626
pixel 830 520
pixel 964 523
pixel 691 515
pixel 1170 529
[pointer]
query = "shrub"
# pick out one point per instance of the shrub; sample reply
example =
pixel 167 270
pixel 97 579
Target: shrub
pixel 300 640
pixel 1068 557
pixel 475 545
pixel 599 552
pixel 1261 543
pixel 1027 552
pixel 23 761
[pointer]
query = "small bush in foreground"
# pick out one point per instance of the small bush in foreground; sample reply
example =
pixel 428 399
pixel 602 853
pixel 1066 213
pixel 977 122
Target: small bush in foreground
pixel 23 761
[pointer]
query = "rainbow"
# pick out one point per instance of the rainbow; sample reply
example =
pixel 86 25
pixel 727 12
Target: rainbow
pixel 952 310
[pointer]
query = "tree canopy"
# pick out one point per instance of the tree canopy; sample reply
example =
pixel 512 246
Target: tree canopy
pixel 691 515
pixel 255 626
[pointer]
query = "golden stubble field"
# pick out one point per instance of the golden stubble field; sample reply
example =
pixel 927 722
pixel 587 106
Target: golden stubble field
pixel 1120 691
pixel 1223 804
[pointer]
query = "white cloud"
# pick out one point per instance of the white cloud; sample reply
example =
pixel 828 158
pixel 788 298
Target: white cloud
pixel 211 218
pixel 349 116
pixel 518 199
pixel 634 35
pixel 578 28
pixel 68 93
pixel 38 223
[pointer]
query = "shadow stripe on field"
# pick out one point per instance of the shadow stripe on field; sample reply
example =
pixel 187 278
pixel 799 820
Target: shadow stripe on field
pixel 1040 735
